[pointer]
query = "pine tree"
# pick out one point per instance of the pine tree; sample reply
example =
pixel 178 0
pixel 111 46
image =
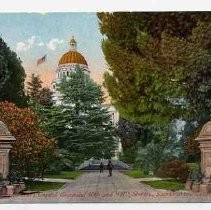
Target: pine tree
pixel 12 76
pixel 37 93
pixel 45 97
pixel 81 124
pixel 34 87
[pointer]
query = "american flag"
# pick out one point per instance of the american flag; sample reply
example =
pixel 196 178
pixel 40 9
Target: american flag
pixel 41 60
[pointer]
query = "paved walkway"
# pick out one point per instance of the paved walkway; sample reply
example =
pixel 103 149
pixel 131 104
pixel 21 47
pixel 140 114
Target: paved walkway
pixel 96 187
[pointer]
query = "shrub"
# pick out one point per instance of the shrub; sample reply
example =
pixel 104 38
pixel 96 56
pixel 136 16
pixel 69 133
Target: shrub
pixel 129 155
pixel 174 169
pixel 61 163
pixel 32 151
pixel 153 155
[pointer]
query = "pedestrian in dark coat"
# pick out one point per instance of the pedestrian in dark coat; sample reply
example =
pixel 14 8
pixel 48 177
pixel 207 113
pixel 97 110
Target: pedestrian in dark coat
pixel 101 167
pixel 110 167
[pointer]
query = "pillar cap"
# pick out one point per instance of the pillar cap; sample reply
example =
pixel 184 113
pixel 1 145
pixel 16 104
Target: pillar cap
pixel 5 135
pixel 205 133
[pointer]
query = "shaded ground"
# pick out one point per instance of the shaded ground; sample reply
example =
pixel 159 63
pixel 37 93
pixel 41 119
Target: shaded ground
pixel 96 187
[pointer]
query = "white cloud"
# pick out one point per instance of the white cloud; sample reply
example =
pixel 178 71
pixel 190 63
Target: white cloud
pixel 21 46
pixel 26 45
pixel 54 43
pixel 31 40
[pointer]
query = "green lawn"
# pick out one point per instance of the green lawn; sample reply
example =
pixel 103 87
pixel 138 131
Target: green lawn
pixel 167 185
pixel 43 186
pixel 136 174
pixel 65 175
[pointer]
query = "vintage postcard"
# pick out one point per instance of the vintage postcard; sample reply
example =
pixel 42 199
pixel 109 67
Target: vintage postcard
pixel 105 107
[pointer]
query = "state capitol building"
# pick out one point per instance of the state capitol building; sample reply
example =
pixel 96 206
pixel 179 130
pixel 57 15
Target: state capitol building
pixel 68 63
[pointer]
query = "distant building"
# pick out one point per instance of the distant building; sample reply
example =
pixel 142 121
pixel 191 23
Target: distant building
pixel 68 63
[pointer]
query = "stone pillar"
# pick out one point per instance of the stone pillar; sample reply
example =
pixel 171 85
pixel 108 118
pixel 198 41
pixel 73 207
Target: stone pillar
pixel 6 140
pixel 204 140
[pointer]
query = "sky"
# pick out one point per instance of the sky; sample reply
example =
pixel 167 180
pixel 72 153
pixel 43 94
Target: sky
pixel 33 35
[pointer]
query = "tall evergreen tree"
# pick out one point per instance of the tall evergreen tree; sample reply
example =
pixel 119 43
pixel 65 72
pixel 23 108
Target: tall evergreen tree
pixel 45 97
pixel 37 93
pixel 34 87
pixel 81 124
pixel 12 76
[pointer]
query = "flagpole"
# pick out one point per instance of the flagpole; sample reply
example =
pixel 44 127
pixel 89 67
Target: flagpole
pixel 37 72
pixel 41 68
pixel 44 73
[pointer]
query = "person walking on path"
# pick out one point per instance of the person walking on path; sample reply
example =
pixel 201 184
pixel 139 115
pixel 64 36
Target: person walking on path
pixel 101 167
pixel 110 167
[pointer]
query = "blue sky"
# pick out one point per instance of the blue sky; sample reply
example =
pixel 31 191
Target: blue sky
pixel 32 35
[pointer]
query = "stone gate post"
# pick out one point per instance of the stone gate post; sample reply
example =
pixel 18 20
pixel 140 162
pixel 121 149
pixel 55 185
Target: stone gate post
pixel 6 140
pixel 204 140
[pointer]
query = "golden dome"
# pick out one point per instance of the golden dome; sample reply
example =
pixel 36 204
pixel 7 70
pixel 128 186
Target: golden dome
pixel 72 57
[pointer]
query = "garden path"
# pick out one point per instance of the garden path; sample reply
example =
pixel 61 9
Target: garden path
pixel 96 187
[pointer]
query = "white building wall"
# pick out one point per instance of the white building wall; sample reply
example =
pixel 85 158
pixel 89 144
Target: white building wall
pixel 115 119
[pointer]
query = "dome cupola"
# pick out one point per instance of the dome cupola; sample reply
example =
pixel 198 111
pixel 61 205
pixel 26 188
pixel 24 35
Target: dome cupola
pixel 73 44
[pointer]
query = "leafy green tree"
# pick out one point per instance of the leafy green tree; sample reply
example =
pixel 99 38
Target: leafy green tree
pixel 154 154
pixel 129 133
pixel 123 27
pixel 81 124
pixel 12 76
pixel 157 86
pixel 159 66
